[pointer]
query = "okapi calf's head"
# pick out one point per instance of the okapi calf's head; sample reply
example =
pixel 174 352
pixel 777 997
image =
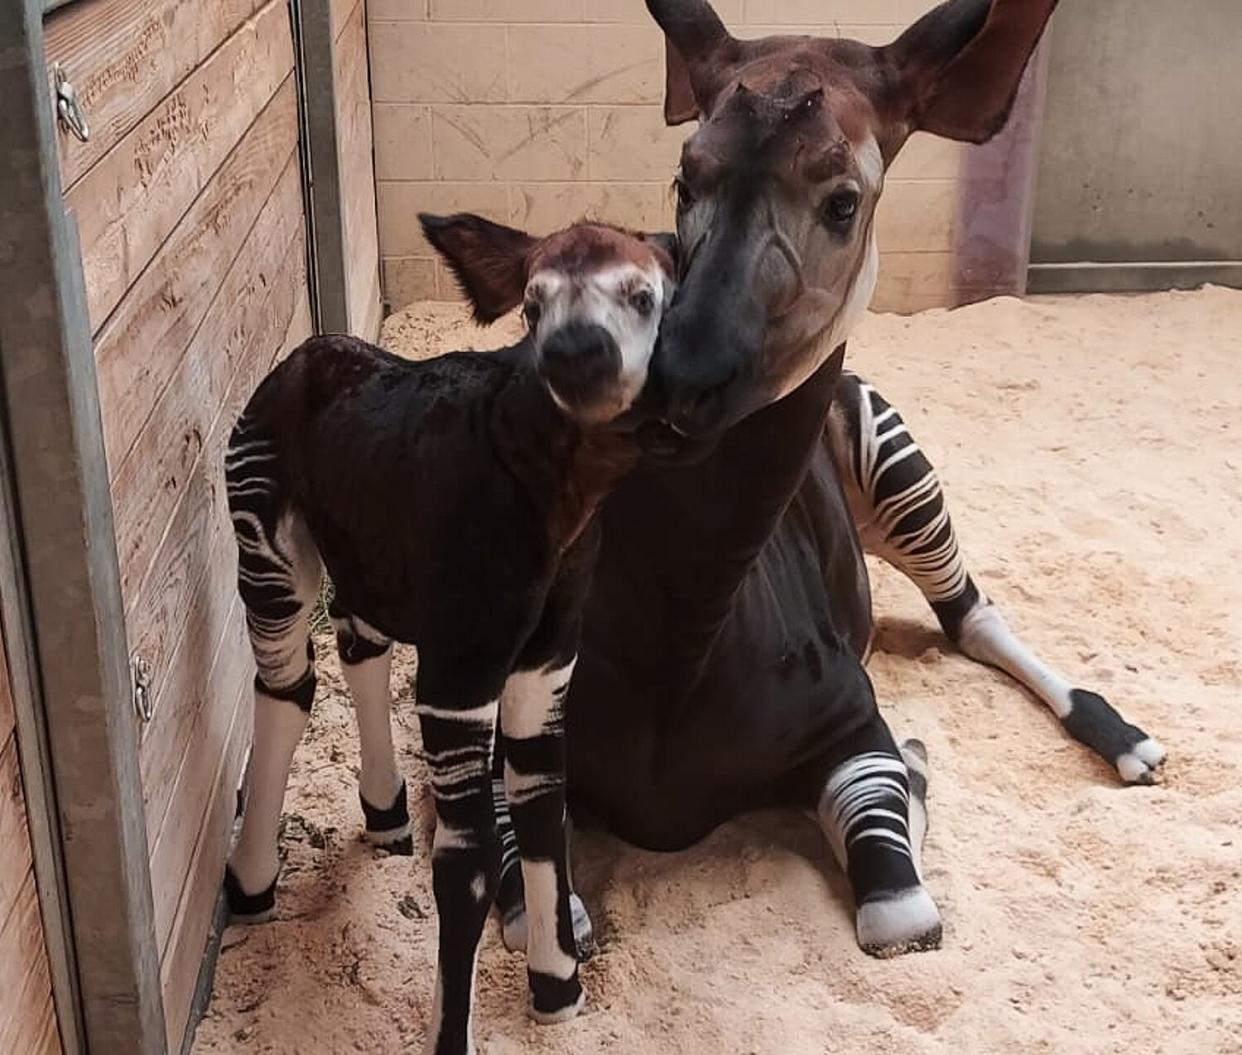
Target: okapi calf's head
pixel 777 189
pixel 592 298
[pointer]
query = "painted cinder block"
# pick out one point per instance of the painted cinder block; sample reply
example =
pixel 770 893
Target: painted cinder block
pixel 509 142
pixel 423 62
pixel 407 279
pixel 586 64
pixel 544 207
pixel 400 203
pixel 402 141
pixel 631 143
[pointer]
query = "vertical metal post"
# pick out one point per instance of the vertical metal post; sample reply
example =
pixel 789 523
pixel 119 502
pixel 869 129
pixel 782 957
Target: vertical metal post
pixel 312 34
pixel 64 549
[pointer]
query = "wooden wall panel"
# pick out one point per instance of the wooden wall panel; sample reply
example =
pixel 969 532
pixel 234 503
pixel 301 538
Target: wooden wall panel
pixel 25 982
pixel 357 172
pixel 189 207
pixel 124 56
pixel 139 348
pixel 174 150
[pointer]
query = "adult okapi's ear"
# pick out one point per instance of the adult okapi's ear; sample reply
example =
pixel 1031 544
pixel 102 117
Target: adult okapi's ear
pixel 490 261
pixel 698 52
pixel 957 69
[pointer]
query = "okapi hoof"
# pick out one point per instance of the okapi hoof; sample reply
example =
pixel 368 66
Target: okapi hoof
pixel 894 924
pixel 555 1000
pixel 248 909
pixel 389 828
pixel 513 929
pixel 1093 722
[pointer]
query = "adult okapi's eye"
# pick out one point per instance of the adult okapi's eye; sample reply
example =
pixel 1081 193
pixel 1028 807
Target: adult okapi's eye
pixel 643 302
pixel 531 311
pixel 840 208
pixel 685 197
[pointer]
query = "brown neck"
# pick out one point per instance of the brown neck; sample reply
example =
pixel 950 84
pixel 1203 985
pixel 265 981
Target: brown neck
pixel 566 469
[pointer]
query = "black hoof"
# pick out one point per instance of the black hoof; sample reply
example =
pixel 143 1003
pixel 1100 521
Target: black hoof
pixel 389 828
pixel 1093 722
pixel 248 908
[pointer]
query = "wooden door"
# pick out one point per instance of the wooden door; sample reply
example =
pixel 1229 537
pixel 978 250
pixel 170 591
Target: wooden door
pixel 189 208
pixel 27 1015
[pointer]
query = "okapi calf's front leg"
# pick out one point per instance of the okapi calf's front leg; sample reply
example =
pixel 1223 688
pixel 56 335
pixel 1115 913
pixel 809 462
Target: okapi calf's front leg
pixel 533 731
pixel 458 740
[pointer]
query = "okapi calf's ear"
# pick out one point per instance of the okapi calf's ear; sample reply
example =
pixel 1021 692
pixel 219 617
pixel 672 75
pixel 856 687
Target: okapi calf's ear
pixel 956 71
pixel 489 261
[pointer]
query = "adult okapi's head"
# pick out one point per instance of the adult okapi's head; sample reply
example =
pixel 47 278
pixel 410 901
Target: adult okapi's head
pixel 777 189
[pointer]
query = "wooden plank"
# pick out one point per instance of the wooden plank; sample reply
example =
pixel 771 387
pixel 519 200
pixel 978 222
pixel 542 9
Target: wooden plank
pixel 48 1040
pixel 15 860
pixel 181 696
pixel 124 56
pixel 71 625
pixel 212 659
pixel 198 542
pixel 25 985
pixel 357 175
pixel 193 793
pixel 8 719
pixel 151 480
pixel 139 348
pixel 129 202
pixel 342 13
pixel 205 872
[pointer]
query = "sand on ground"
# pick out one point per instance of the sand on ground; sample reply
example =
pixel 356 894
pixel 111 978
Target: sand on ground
pixel 1091 451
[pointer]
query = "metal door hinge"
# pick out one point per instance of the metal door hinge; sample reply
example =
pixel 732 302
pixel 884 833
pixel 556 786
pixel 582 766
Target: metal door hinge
pixel 68 109
pixel 144 701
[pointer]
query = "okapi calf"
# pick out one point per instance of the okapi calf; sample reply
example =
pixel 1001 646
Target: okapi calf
pixel 453 503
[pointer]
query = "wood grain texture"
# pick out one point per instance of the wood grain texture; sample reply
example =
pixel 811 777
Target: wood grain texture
pixel 15 861
pixel 129 202
pixel 140 347
pixel 184 952
pixel 184 697
pixel 7 717
pixel 25 984
pixel 357 175
pixel 124 56
pixel 152 478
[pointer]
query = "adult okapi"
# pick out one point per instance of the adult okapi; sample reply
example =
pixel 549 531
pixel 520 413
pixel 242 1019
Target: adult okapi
pixel 722 656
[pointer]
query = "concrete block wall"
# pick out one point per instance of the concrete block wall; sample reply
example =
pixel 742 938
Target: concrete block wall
pixel 540 112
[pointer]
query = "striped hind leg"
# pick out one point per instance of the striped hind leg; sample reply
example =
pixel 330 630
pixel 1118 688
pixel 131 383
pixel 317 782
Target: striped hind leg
pixel 366 662
pixel 278 578
pixel 873 811
pixel 902 517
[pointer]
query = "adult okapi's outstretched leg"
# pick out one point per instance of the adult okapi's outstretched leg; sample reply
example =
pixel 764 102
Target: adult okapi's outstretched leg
pixel 901 515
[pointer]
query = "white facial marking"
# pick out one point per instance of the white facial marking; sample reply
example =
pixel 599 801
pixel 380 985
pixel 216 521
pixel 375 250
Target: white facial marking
pixel 606 299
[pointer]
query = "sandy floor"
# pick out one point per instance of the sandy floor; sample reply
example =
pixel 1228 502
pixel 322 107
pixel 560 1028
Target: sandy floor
pixel 1091 451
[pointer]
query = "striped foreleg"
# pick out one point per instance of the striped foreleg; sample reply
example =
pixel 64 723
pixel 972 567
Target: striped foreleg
pixel 873 810
pixel 465 862
pixel 532 727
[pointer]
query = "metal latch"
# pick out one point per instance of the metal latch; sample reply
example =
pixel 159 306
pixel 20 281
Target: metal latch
pixel 140 672
pixel 68 109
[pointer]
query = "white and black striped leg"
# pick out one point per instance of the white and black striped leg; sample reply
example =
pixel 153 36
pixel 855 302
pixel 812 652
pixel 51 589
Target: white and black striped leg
pixel 465 862
pixel 532 726
pixel 983 634
pixel 278 579
pixel 874 813
pixel 366 662
pixel 511 895
pixel 902 516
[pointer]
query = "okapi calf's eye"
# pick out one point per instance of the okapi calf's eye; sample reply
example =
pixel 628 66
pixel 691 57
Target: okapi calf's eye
pixel 453 502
